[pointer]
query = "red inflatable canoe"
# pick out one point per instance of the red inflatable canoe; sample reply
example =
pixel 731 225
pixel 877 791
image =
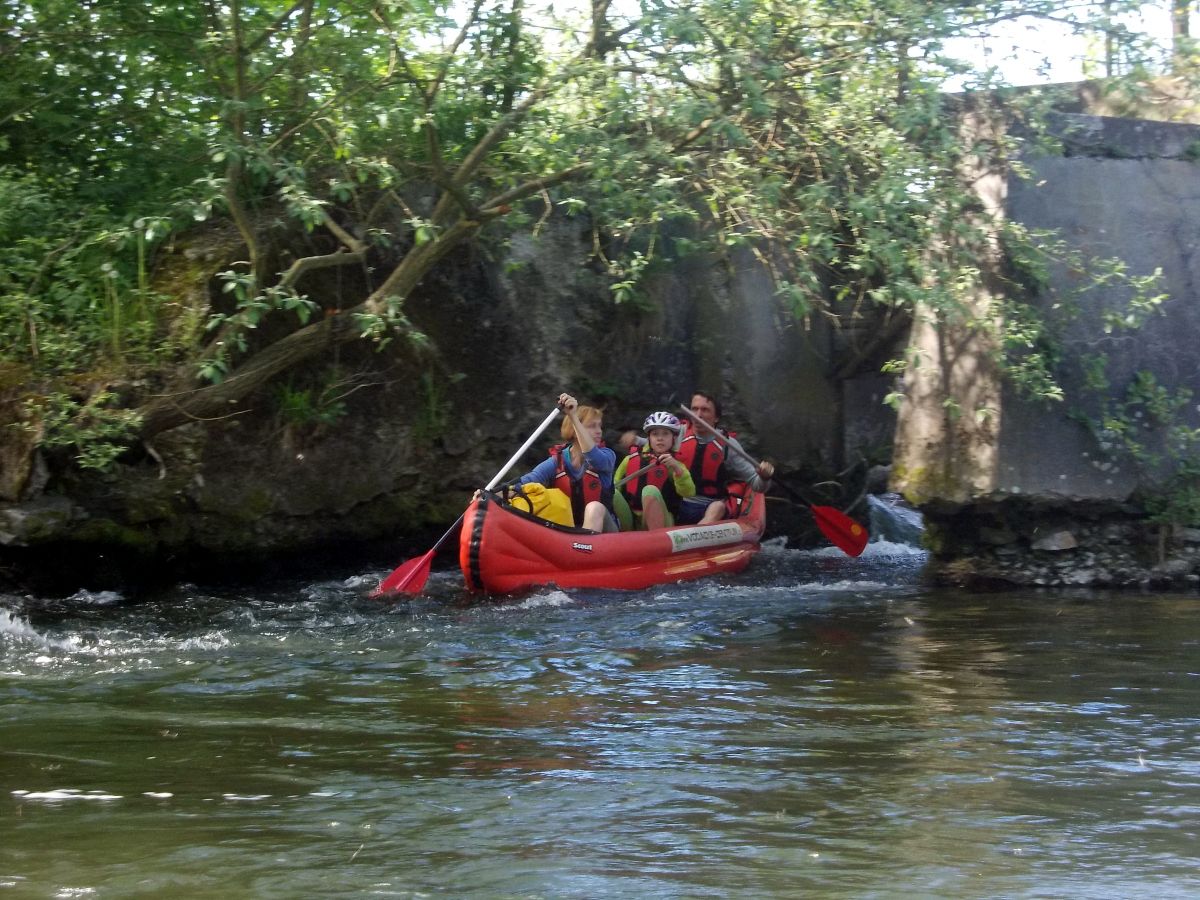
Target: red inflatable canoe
pixel 503 550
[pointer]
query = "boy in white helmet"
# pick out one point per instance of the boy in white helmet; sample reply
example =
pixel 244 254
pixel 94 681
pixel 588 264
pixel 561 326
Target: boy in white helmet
pixel 661 481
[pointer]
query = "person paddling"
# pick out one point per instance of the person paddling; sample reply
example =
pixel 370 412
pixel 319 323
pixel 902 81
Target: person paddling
pixel 582 468
pixel 661 481
pixel 721 477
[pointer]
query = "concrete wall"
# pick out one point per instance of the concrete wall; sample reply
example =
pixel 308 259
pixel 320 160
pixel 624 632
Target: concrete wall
pixel 1122 188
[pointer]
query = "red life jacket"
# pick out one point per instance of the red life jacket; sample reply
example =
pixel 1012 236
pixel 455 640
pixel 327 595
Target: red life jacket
pixel 706 463
pixel 583 491
pixel 738 491
pixel 651 474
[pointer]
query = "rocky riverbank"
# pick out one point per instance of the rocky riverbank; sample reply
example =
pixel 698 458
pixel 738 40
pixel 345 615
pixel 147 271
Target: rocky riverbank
pixel 1013 543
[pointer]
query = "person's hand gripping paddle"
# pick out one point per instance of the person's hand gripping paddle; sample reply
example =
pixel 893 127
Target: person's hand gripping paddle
pixel 845 534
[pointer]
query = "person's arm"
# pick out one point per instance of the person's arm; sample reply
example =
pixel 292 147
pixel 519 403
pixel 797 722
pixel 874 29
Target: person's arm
pixel 543 473
pixel 681 476
pixel 622 469
pixel 739 468
pixel 602 461
pixel 583 437
pixel 627 440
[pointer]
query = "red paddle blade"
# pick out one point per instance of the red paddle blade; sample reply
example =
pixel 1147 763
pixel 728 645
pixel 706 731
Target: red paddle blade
pixel 409 578
pixel 845 534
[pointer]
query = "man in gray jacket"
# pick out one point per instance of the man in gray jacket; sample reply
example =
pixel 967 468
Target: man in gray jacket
pixel 721 473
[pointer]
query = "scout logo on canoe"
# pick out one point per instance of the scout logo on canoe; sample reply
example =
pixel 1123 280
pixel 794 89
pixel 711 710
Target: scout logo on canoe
pixel 706 536
pixel 586 548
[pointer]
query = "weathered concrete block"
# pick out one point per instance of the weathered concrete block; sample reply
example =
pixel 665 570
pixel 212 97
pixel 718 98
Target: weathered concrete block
pixel 1126 189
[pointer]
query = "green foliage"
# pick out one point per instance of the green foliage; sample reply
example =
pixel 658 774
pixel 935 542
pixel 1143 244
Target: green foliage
pixel 1178 502
pixel 631 271
pixel 1028 352
pixel 74 289
pixel 381 328
pixel 812 135
pixel 94 429
pixel 308 406
pixel 77 313
pixel 433 414
pixel 249 310
pixel 1148 426
pixel 1033 343
pixel 598 389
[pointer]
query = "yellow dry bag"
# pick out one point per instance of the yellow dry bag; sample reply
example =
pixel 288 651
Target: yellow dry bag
pixel 546 503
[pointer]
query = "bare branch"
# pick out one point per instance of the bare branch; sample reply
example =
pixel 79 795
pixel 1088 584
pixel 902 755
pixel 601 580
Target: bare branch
pixel 497 204
pixel 310 263
pixel 271 30
pixel 451 52
pixel 330 103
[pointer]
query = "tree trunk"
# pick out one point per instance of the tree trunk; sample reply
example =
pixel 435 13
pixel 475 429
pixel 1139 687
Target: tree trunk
pixel 216 401
pixel 1181 50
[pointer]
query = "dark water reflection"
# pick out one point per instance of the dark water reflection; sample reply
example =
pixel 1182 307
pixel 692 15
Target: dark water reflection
pixel 816 727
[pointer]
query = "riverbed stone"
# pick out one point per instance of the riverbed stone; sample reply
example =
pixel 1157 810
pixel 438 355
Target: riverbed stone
pixel 38 520
pixel 997 536
pixel 1055 541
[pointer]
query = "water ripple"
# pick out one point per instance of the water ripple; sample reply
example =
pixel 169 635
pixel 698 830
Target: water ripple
pixel 815 726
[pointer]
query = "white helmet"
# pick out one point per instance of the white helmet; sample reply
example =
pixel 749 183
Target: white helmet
pixel 661 420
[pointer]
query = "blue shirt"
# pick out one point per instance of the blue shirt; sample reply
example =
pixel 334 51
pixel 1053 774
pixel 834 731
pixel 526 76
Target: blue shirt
pixel 601 459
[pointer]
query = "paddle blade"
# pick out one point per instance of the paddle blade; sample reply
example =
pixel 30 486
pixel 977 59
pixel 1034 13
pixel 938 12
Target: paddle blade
pixel 409 578
pixel 845 534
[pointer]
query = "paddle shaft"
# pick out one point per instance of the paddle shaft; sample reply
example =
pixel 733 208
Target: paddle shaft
pixel 504 471
pixel 721 438
pixel 738 449
pixel 438 545
pixel 634 474
pixel 844 532
pixel 491 485
pixel 412 575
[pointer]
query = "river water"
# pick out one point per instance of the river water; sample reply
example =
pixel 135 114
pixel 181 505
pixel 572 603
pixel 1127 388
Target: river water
pixel 817 726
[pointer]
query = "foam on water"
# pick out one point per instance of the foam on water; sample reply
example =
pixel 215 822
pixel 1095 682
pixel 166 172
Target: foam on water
pixel 874 550
pixel 60 795
pixel 213 640
pixel 877 549
pixel 774 546
pixel 838 587
pixel 100 648
pixel 18 631
pixel 551 598
pixel 95 598
pixel 882 549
